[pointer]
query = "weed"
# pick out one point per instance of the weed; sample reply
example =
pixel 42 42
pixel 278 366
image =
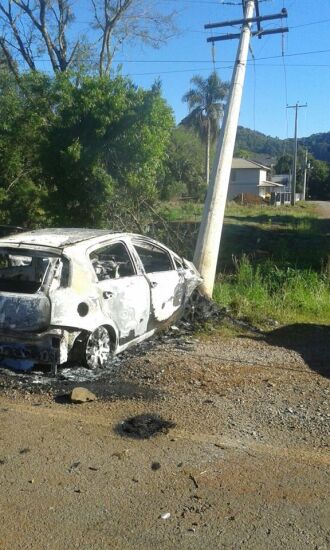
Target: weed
pixel 274 262
pixel 264 293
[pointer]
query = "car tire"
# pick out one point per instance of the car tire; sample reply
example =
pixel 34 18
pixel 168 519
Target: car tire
pixel 98 348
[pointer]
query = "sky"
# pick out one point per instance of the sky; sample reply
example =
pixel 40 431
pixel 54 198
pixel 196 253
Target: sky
pixel 288 68
pixel 272 80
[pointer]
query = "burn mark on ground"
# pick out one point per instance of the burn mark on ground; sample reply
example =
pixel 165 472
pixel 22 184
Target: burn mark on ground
pixel 144 426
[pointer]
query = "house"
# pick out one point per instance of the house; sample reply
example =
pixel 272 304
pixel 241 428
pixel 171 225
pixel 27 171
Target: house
pixel 251 177
pixel 282 196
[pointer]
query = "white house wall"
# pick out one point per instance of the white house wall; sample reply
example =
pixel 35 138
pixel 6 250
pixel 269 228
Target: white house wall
pixel 245 180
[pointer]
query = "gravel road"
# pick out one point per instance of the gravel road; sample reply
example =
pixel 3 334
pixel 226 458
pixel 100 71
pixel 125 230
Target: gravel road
pixel 245 466
pixel 323 209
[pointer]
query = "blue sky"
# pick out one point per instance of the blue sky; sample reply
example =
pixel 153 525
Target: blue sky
pixel 270 83
pixel 272 80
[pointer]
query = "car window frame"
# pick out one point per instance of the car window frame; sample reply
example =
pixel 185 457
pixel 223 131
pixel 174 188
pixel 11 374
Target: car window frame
pixel 137 241
pixel 105 244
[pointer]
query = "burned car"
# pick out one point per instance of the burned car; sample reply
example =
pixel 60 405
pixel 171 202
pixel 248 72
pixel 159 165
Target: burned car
pixel 86 294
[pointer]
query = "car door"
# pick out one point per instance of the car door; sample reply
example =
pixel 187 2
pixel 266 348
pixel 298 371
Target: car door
pixel 166 283
pixel 123 290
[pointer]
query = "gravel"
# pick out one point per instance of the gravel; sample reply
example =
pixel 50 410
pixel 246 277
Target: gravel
pixel 244 465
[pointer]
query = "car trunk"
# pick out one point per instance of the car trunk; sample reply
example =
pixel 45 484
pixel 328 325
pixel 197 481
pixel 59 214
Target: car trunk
pixel 25 276
pixel 24 312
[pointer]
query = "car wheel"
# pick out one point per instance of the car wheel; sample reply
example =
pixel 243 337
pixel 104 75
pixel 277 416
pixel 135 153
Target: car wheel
pixel 98 348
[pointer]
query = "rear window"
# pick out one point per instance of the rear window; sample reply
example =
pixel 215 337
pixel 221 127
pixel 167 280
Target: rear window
pixel 23 271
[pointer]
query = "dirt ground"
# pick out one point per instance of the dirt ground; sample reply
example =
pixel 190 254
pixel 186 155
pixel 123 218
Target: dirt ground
pixel 322 208
pixel 246 465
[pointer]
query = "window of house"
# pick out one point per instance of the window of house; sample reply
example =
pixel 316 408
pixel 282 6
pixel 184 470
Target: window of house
pixel 112 262
pixel 233 176
pixel 153 258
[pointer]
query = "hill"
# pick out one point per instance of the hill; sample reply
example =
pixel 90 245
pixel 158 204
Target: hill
pixel 267 148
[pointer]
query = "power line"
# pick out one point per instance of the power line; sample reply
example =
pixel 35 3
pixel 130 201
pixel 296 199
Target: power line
pixel 218 68
pixel 209 61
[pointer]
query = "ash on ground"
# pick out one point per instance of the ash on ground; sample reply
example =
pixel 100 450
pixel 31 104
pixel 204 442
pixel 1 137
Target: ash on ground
pixel 144 426
pixel 105 382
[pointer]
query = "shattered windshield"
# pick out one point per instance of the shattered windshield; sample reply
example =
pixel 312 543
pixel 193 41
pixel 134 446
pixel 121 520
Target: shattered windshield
pixel 23 271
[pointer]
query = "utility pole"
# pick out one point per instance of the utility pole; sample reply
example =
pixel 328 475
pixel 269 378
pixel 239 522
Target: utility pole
pixel 208 242
pixel 305 174
pixel 295 152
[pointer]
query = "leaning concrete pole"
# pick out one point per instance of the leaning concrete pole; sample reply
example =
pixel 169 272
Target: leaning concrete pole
pixel 208 242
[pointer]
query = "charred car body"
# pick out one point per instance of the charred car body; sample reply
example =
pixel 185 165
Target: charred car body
pixel 86 294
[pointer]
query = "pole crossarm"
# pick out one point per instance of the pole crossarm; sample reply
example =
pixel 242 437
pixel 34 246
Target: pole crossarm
pixel 254 33
pixel 280 15
pixel 295 106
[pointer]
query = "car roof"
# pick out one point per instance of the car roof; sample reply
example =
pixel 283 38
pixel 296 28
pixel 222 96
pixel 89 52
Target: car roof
pixel 55 238
pixel 62 240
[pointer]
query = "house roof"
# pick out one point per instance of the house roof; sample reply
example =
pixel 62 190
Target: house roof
pixel 250 164
pixel 270 184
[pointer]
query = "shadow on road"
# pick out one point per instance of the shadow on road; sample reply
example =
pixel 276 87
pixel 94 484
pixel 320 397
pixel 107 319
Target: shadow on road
pixel 312 342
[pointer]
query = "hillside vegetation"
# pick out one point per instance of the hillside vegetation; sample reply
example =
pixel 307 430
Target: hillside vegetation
pixel 257 142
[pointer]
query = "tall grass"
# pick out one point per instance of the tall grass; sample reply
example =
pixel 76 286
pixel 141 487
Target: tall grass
pixel 181 211
pixel 266 292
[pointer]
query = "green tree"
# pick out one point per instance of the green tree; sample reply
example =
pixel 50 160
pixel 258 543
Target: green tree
pixel 184 166
pixel 206 103
pixel 104 148
pixel 24 121
pixel 77 153
pixel 319 180
pixel 284 164
pixel 243 154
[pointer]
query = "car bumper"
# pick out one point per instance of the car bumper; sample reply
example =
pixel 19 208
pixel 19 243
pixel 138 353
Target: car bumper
pixel 47 348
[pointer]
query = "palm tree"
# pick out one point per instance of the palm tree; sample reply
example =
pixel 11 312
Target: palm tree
pixel 206 102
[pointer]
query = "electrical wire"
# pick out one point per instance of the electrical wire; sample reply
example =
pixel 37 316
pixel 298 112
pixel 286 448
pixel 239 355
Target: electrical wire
pixel 265 58
pixel 254 88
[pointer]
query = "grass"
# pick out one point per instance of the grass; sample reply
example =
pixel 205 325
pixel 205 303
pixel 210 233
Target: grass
pixel 273 264
pixel 180 211
pixel 265 293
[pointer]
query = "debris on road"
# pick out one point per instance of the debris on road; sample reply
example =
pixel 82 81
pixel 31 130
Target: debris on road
pixel 144 426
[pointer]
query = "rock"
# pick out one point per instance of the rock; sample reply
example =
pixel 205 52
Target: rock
pixel 82 395
pixel 166 515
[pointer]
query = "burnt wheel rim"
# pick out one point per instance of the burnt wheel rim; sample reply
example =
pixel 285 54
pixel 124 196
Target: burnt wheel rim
pixel 98 348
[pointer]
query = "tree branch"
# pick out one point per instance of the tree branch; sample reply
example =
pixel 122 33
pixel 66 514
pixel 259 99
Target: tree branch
pixel 21 46
pixel 10 61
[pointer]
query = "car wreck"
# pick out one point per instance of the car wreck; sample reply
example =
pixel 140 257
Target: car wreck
pixel 85 295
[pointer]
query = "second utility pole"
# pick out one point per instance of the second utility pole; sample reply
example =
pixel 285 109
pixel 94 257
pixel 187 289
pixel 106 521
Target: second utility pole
pixel 206 253
pixel 295 152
